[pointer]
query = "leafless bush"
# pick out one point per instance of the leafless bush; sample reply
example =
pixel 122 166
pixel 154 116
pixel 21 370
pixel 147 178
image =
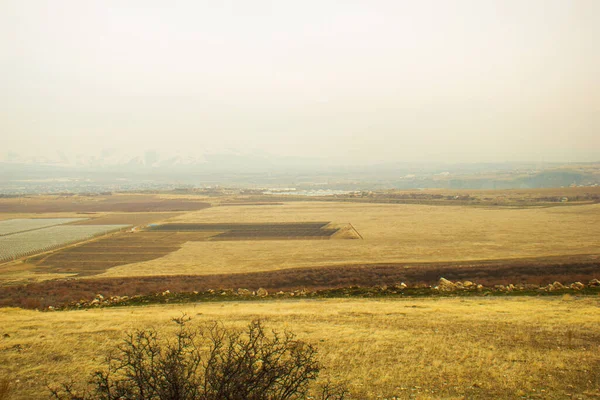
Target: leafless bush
pixel 207 363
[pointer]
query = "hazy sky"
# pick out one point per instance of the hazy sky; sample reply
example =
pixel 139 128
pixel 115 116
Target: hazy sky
pixel 370 81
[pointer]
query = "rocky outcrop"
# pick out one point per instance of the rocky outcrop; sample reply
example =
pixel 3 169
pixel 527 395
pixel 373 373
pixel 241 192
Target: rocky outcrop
pixel 577 286
pixel 552 287
pixel 444 285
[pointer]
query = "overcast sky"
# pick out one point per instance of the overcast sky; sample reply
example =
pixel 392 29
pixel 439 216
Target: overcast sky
pixel 364 81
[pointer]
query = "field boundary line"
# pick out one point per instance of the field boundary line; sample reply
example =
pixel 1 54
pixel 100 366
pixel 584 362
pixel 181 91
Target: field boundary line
pixel 357 232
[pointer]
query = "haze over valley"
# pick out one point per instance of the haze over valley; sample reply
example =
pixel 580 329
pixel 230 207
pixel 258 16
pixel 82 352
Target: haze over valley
pixel 286 200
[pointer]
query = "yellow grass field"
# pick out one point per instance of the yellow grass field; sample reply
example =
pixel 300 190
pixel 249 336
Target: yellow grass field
pixel 391 232
pixel 427 348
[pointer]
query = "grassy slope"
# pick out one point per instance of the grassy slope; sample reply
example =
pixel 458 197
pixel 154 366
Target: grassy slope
pixel 436 348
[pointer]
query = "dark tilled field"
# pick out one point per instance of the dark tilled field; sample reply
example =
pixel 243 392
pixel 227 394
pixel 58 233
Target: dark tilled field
pixel 300 234
pixel 270 227
pixel 538 271
pixel 255 231
pixel 95 257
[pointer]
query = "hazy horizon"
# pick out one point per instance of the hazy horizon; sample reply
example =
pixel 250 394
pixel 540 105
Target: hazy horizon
pixel 358 82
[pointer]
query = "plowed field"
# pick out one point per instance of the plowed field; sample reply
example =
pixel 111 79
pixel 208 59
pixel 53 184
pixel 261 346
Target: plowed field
pixel 83 204
pixel 256 231
pixel 96 257
pixel 135 219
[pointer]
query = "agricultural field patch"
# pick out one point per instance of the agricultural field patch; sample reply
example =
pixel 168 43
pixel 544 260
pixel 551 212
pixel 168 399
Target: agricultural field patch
pixel 250 203
pixel 12 226
pixel 257 231
pixel 97 256
pixel 41 240
pixel 105 203
pixel 135 219
pixel 391 233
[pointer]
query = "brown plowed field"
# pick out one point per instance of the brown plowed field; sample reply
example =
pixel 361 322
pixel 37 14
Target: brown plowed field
pixel 95 257
pixel 252 226
pixel 536 271
pixel 86 204
pixel 251 203
pixel 135 219
pixel 256 231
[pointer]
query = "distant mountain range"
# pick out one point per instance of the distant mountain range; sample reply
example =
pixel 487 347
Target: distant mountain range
pixel 106 158
pixel 114 171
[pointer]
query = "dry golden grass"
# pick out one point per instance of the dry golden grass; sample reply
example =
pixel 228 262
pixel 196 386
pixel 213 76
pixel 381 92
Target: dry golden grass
pixel 101 215
pixel 428 348
pixel 21 273
pixel 5 216
pixel 392 233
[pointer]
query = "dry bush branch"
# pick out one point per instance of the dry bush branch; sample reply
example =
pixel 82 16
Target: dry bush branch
pixel 210 362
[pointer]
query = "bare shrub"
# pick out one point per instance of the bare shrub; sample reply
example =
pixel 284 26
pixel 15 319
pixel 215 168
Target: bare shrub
pixel 207 363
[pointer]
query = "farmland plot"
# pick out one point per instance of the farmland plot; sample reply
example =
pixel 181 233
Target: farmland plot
pixel 12 226
pixel 112 203
pixel 40 240
pixel 95 257
pixel 160 240
pixel 256 231
pixel 129 218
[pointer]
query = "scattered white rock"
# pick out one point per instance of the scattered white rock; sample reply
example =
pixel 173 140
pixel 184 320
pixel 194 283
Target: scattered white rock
pixel 445 285
pixel 577 286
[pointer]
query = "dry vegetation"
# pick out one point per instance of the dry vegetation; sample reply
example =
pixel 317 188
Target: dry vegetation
pixel 503 198
pixel 135 219
pixel 95 257
pixel 391 233
pixel 475 347
pixel 99 203
pixel 511 198
pixel 428 348
pixel 500 277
